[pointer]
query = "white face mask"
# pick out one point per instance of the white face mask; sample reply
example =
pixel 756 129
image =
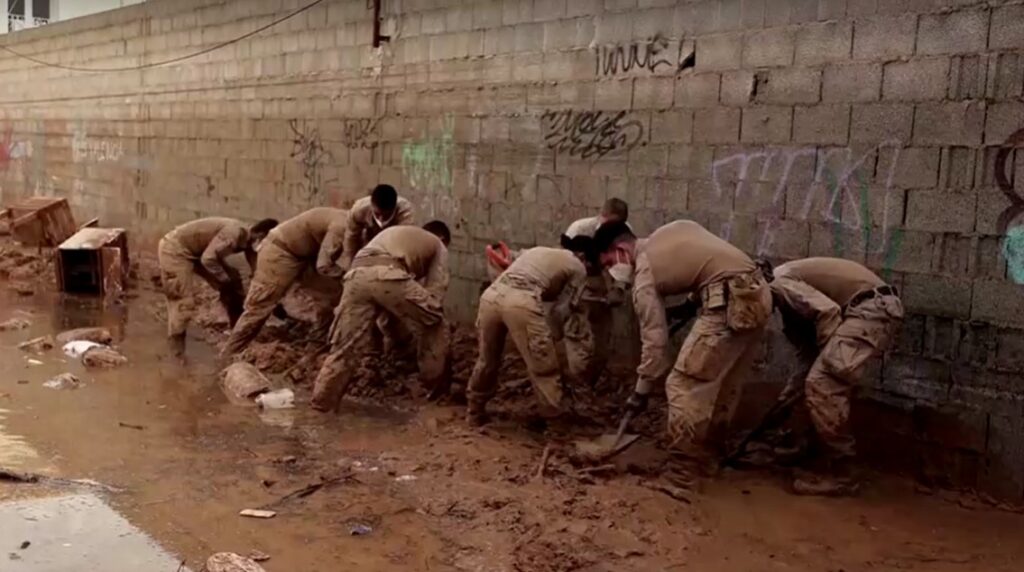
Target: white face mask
pixel 382 223
pixel 621 273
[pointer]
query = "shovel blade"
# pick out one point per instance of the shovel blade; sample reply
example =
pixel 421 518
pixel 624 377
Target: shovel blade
pixel 604 446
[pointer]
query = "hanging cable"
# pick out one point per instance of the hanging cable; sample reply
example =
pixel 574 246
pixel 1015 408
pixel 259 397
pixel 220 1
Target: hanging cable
pixel 204 51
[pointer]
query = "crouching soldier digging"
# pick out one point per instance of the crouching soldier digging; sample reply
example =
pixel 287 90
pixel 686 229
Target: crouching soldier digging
pixel 513 304
pixel 402 272
pixel 200 248
pixel 314 237
pixel 854 315
pixel 704 384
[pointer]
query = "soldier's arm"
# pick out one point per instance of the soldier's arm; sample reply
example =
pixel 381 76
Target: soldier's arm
pixel 224 244
pixel 330 250
pixel 437 277
pixel 353 239
pixel 801 301
pixel 404 214
pixel 570 300
pixel 650 312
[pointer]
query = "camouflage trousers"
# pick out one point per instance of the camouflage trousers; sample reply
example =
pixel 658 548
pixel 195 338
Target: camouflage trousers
pixel 178 271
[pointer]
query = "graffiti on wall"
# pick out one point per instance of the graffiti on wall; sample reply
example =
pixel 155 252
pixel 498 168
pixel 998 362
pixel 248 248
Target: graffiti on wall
pixel 837 187
pixel 11 150
pixel 427 164
pixel 309 150
pixel 1013 241
pixel 657 55
pixel 90 149
pixel 360 133
pixel 590 134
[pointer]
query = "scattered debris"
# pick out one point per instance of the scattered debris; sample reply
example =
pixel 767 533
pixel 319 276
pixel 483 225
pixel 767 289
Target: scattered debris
pixel 678 493
pixel 130 426
pixel 231 562
pixel 405 478
pixel 103 356
pixel 258 556
pixel 22 288
pixel 277 399
pixel 23 477
pixel 14 324
pixel 63 381
pixel 33 361
pixel 23 382
pixel 310 489
pixel 257 513
pixel 360 529
pixel 17 476
pixel 544 461
pixel 243 382
pixel 97 335
pixel 77 348
pixel 610 467
pixel 38 345
pixel 25 544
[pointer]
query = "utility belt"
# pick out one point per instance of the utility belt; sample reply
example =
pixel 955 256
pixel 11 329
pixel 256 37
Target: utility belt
pixel 378 260
pixel 865 295
pixel 744 297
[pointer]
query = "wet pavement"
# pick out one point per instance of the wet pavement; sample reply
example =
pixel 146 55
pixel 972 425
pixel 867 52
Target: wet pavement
pixel 409 489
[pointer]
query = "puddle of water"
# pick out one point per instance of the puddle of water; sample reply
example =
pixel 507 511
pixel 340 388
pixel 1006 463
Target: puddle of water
pixel 75 532
pixel 15 451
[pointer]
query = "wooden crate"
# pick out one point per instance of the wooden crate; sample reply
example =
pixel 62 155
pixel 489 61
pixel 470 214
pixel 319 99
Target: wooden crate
pixel 40 221
pixel 93 261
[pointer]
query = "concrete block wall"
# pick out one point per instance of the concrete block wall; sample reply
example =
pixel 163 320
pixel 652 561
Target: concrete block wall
pixel 881 131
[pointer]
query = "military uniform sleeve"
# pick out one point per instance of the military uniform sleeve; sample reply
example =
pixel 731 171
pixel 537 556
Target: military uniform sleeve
pixel 650 313
pixel 227 242
pixel 353 238
pixel 436 279
pixel 404 215
pixel 570 299
pixel 330 249
pixel 804 301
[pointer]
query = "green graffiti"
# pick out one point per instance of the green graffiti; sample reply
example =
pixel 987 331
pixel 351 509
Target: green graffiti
pixel 892 238
pixel 427 162
pixel 1013 252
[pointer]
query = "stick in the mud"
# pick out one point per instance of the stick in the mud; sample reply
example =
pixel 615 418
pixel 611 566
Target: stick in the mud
pixel 17 476
pixel 543 461
pixel 130 426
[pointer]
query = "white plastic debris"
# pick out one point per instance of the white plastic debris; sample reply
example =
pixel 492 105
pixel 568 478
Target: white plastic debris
pixel 34 362
pixel 277 399
pixel 63 381
pixel 231 562
pixel 243 382
pixel 77 348
pixel 405 478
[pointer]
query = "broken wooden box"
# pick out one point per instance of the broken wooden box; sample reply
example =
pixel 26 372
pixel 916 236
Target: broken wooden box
pixel 40 221
pixel 93 261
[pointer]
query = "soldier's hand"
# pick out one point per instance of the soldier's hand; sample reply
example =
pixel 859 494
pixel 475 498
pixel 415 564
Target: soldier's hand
pixel 637 403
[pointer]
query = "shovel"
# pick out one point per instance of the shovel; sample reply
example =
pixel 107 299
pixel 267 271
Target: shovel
pixel 608 445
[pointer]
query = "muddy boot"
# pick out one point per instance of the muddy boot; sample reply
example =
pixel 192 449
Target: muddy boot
pixel 476 415
pixel 838 480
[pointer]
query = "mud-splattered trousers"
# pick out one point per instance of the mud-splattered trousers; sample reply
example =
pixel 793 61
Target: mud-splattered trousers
pixel 848 338
pixel 512 306
pixel 703 386
pixel 370 291
pixel 276 270
pixel 178 270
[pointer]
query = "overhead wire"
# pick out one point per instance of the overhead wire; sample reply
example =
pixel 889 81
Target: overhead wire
pixel 201 52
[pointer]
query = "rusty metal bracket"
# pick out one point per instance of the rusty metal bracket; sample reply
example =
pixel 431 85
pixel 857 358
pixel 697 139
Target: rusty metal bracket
pixel 377 36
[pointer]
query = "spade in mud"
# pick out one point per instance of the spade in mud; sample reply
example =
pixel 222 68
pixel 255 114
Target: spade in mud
pixel 606 446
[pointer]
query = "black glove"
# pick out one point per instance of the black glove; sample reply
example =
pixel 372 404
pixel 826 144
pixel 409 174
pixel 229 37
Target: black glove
pixel 637 403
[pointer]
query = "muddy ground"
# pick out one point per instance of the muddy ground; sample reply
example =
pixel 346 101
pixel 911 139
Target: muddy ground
pixel 430 492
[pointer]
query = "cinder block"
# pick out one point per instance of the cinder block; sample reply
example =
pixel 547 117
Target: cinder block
pixel 768 48
pixel 851 83
pixel 516 11
pixel 998 302
pixel 861 7
pixel 949 123
pixel 737 88
pixel 613 94
pixel 547 10
pixel 697 90
pixel 766 124
pixel 486 14
pixel 822 124
pixel 916 80
pixel 674 126
pixel 777 12
pixel 529 37
pixel 791 85
pixel 826 42
pixel 650 23
pixel 940 211
pixel 884 37
pixel 719 52
pixel 916 168
pixel 717 125
pixel 653 92
pixel 1003 119
pixel 874 123
pixel 967 77
pixel 584 8
pixel 937 295
pixel 960 32
pixel 690 161
pixel 730 15
pixel 752 14
pixel 1007 31
pixel 1003 473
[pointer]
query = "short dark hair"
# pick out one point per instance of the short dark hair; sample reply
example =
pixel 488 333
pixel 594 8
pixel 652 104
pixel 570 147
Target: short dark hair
pixel 617 207
pixel 264 226
pixel 440 230
pixel 609 233
pixel 384 197
pixel 581 244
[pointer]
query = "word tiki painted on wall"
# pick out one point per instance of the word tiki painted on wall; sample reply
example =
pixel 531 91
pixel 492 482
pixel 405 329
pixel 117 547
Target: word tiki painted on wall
pixel 658 55
pixel 427 165
pixel 590 134
pixel 308 148
pixel 1013 242
pixel 837 192
pixel 85 148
